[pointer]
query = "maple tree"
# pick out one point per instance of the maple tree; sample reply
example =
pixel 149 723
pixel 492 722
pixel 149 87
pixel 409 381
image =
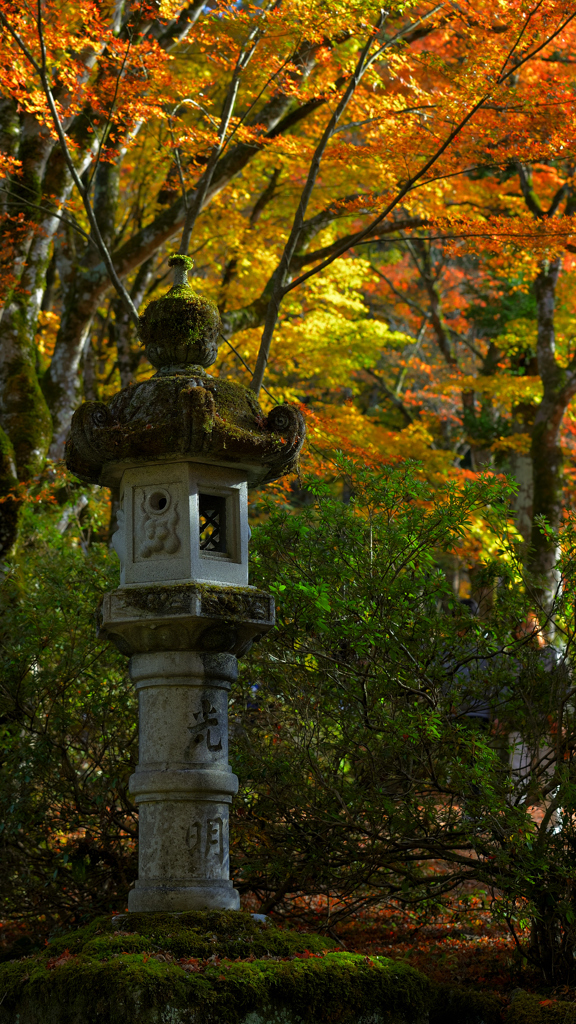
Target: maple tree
pixel 269 144
pixel 493 322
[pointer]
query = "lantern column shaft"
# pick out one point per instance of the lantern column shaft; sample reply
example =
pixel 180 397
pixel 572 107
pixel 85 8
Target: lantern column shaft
pixel 183 784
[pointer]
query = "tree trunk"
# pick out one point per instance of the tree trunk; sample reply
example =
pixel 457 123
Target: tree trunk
pixel 546 453
pixel 521 470
pixel 24 415
pixel 63 385
pixel 10 504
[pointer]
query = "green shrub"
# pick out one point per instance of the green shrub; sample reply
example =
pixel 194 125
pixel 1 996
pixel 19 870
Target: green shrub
pixel 360 766
pixel 68 731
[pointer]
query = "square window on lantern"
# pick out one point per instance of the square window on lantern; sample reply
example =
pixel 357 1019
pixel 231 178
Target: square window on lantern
pixel 212 523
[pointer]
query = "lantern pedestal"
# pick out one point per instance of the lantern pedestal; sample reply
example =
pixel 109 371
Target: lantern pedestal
pixel 183 784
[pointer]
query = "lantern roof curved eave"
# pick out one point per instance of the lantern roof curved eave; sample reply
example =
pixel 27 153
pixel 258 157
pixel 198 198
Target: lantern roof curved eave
pixel 256 474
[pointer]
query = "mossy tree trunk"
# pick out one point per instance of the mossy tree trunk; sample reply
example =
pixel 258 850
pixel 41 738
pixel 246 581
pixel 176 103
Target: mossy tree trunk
pixel 521 469
pixel 559 387
pixel 9 504
pixel 24 416
pixel 33 202
pixel 23 412
pixel 78 274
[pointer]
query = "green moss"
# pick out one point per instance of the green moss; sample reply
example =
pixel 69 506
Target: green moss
pixel 174 599
pixel 179 412
pixel 196 933
pixel 134 972
pixel 182 313
pixel 235 402
pixel 179 328
pixel 529 1009
pixel 10 505
pixel 26 418
pixel 178 259
pixel 8 478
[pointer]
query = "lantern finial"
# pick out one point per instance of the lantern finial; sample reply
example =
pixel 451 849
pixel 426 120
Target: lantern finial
pixel 182 264
pixel 180 330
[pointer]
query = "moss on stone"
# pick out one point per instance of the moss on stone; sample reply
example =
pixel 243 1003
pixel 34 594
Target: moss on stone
pixel 178 413
pixel 178 259
pixel 195 933
pixel 179 328
pixel 535 1009
pixel 204 967
pixel 175 598
pixel 236 401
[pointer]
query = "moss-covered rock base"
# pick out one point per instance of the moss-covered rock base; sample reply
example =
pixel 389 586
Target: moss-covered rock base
pixel 533 1009
pixel 198 968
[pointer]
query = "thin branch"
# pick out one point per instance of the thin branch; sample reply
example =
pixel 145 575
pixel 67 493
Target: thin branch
pixel 41 70
pixel 177 157
pixel 403 32
pixel 107 126
pixel 403 298
pixel 278 287
pixel 385 229
pixel 414 350
pixel 394 398
pixel 561 194
pixel 250 371
pixel 524 27
pixel 53 213
pixel 228 109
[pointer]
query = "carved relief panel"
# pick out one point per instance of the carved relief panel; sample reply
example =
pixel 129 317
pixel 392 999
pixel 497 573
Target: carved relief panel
pixel 157 528
pixel 155 517
pixel 183 521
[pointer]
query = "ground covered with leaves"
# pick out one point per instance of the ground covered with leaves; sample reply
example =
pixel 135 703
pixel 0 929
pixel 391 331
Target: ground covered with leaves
pixel 464 948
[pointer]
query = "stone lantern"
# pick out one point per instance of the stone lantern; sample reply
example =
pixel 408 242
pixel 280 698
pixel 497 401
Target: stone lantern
pixel 182 448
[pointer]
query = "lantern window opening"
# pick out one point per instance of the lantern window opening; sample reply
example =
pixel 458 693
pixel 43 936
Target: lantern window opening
pixel 212 515
pixel 158 501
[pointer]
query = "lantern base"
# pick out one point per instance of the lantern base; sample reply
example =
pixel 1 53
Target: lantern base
pixel 166 899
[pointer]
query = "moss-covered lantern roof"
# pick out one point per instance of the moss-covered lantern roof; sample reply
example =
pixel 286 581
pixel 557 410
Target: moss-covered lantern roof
pixel 182 412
